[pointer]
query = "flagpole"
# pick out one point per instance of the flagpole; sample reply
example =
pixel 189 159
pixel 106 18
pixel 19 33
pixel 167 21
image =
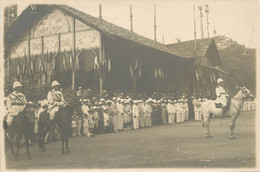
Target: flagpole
pixel 74 54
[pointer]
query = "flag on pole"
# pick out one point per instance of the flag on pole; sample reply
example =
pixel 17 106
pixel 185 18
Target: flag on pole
pixel 131 71
pixel 109 65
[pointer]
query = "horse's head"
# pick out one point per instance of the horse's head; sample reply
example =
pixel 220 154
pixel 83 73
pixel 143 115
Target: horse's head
pixel 246 93
pixel 30 115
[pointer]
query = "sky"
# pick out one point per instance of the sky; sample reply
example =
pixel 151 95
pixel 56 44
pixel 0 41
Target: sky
pixel 238 19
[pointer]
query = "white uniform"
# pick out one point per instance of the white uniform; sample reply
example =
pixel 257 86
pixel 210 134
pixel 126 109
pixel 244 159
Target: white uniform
pixel 221 96
pixel 178 112
pixel 135 116
pixel 147 115
pixel 171 113
pixel 15 104
pixel 55 100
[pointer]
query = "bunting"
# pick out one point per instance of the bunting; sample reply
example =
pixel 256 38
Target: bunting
pixel 158 72
pixel 135 69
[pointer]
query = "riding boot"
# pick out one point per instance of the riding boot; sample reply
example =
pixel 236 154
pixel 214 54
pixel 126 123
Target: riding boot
pixel 223 111
pixel 5 126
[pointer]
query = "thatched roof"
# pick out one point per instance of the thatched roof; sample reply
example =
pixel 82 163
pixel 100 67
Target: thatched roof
pixel 187 48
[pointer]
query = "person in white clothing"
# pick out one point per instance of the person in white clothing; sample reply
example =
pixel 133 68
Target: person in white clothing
pixel 178 111
pixel 148 113
pixel 186 109
pixel 135 113
pixel 15 103
pixel 222 96
pixel 86 115
pixel 171 111
pixel 55 99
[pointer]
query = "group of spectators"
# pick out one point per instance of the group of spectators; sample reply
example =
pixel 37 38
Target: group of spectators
pixel 119 112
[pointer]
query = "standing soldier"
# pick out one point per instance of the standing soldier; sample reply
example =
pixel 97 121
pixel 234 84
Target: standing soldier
pixel 15 103
pixel 148 113
pixel 186 109
pixel 178 111
pixel 142 117
pixel 170 110
pixel 164 113
pixel 135 115
pixel 114 114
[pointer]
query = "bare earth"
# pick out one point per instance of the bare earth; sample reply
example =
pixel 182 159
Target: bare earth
pixel 169 146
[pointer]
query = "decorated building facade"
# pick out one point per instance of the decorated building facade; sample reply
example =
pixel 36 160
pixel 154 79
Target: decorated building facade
pixel 57 42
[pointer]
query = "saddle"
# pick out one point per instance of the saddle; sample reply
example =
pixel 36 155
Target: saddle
pixel 219 105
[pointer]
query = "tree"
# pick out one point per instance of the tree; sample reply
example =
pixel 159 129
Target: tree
pixel 238 61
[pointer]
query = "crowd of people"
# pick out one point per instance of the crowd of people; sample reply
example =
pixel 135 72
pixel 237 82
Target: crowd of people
pixel 120 112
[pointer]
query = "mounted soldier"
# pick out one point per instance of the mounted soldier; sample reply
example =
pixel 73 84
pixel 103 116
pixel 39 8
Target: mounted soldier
pixel 15 103
pixel 55 99
pixel 222 96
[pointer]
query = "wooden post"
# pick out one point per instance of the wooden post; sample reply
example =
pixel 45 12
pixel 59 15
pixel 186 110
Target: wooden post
pixel 101 56
pixel 154 23
pixel 134 85
pixel 59 43
pixel 74 52
pixel 131 18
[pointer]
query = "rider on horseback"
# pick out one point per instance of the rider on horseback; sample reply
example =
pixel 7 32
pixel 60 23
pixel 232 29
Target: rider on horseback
pixel 222 96
pixel 15 104
pixel 55 99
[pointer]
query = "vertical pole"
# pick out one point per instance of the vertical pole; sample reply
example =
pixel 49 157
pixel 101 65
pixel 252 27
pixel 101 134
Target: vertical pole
pixel 201 22
pixel 195 42
pixel 207 13
pixel 42 45
pixel 59 43
pixel 29 52
pixel 100 13
pixel 131 18
pixel 155 23
pixel 101 54
pixel 74 52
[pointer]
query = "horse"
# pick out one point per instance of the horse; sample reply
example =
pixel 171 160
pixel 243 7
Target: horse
pixel 44 125
pixel 208 107
pixel 20 127
pixel 63 118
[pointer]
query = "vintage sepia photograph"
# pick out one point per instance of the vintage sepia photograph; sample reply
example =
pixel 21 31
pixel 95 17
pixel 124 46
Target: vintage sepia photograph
pixel 129 85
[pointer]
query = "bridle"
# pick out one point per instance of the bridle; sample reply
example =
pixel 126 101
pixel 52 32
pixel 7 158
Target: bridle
pixel 245 95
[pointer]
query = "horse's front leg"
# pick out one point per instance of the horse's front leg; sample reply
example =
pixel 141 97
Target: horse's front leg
pixel 232 128
pixel 18 139
pixel 67 145
pixel 206 127
pixel 27 146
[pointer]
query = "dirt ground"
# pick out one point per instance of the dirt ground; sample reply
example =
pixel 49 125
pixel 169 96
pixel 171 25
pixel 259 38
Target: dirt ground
pixel 168 146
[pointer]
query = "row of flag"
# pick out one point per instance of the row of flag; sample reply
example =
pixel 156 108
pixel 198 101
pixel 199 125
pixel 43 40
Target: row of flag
pixel 158 72
pixel 135 69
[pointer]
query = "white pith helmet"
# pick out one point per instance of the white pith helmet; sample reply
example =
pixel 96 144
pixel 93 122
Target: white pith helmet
pixel 17 84
pixel 220 80
pixel 55 83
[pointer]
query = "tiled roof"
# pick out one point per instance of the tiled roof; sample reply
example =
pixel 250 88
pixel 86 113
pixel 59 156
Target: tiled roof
pixel 187 48
pixel 29 18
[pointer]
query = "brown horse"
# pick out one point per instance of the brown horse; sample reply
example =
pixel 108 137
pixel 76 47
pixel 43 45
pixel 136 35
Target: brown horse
pixel 44 127
pixel 63 118
pixel 21 127
pixel 208 107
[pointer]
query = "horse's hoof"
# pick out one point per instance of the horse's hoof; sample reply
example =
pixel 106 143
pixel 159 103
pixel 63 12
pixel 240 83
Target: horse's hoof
pixel 29 157
pixel 16 159
pixel 232 137
pixel 208 136
pixel 68 152
pixel 63 153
